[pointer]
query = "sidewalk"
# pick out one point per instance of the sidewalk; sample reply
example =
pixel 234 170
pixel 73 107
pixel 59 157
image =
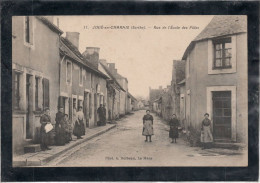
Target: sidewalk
pixel 43 157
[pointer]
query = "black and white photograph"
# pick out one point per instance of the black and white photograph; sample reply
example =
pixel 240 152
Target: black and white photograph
pixel 130 91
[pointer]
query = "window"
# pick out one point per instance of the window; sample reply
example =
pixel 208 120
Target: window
pixel 46 93
pixel 37 79
pixel 69 72
pixel 28 30
pixel 16 90
pixel 222 54
pixel 80 76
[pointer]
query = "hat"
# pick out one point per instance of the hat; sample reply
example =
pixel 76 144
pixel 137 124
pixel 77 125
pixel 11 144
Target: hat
pixel 206 114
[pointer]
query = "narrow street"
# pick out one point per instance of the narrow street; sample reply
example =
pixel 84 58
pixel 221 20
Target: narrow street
pixel 125 146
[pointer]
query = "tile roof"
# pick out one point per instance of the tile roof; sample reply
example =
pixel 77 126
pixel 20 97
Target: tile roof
pixel 67 48
pixel 50 24
pixel 220 25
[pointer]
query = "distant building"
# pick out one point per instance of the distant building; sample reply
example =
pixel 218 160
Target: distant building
pixel 154 94
pixel 216 79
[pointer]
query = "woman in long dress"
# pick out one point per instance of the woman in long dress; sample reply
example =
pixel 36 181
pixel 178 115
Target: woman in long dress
pixel 206 135
pixel 68 128
pixel 148 126
pixel 44 120
pixel 79 128
pixel 60 128
pixel 174 124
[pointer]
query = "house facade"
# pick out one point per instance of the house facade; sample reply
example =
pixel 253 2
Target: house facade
pixel 81 84
pixel 216 78
pixel 35 62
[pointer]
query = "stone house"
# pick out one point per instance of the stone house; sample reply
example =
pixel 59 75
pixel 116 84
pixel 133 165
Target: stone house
pixel 216 79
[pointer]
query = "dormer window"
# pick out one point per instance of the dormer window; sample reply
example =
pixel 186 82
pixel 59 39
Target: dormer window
pixel 222 53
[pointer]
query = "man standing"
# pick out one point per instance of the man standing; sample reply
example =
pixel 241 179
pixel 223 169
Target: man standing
pixel 44 120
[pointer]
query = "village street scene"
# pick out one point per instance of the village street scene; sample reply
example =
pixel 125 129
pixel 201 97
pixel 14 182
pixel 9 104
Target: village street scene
pixel 94 92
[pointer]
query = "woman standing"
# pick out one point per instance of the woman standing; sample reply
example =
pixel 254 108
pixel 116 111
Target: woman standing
pixel 206 135
pixel 148 126
pixel 68 128
pixel 79 128
pixel 174 123
pixel 60 127
pixel 44 120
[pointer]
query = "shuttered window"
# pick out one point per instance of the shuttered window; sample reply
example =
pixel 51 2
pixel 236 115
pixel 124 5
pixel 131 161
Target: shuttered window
pixel 46 93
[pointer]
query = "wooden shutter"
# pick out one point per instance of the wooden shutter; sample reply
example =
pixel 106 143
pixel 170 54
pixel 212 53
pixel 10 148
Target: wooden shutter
pixel 46 93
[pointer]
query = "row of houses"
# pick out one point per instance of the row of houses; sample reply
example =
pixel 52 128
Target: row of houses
pixel 49 71
pixel 210 78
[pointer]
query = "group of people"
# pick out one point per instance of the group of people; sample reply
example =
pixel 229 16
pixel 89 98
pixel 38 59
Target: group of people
pixel 206 135
pixel 64 127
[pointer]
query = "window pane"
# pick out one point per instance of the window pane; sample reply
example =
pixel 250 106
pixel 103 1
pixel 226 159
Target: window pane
pixel 228 53
pixel 68 72
pixel 227 62
pixel 218 63
pixel 219 54
pixel 227 112
pixel 218 46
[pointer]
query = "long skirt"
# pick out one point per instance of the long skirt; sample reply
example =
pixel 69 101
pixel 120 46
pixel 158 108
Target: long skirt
pixel 206 135
pixel 44 138
pixel 60 136
pixel 79 128
pixel 148 128
pixel 173 133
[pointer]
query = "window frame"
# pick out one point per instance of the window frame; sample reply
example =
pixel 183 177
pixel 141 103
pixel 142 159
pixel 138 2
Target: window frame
pixel 30 31
pixel 16 104
pixel 69 83
pixel 222 41
pixel 80 77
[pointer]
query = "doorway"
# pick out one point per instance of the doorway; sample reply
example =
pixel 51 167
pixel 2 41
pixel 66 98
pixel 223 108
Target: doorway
pixel 29 97
pixel 222 115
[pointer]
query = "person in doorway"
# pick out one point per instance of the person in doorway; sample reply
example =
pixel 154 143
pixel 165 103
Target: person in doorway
pixel 148 126
pixel 68 128
pixel 79 128
pixel 174 124
pixel 44 120
pixel 59 127
pixel 100 112
pixel 206 135
pixel 104 114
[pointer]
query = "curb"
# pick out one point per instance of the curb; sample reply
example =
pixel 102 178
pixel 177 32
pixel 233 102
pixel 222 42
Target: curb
pixel 40 162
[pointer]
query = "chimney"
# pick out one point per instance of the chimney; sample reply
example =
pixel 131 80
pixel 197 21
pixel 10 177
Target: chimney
pixel 92 54
pixel 112 68
pixel 73 37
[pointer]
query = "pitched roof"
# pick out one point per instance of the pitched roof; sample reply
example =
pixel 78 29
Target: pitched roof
pixel 50 24
pixel 67 48
pixel 131 96
pixel 220 25
pixel 111 75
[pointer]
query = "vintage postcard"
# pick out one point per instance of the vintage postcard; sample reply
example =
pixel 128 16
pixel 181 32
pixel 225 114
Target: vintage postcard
pixel 130 91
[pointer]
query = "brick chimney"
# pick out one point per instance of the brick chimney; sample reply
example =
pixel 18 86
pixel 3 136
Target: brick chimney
pixel 92 55
pixel 73 37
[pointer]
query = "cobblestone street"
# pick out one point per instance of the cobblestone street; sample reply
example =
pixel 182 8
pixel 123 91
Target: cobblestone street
pixel 125 146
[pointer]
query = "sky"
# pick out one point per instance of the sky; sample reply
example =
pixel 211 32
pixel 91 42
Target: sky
pixel 143 56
